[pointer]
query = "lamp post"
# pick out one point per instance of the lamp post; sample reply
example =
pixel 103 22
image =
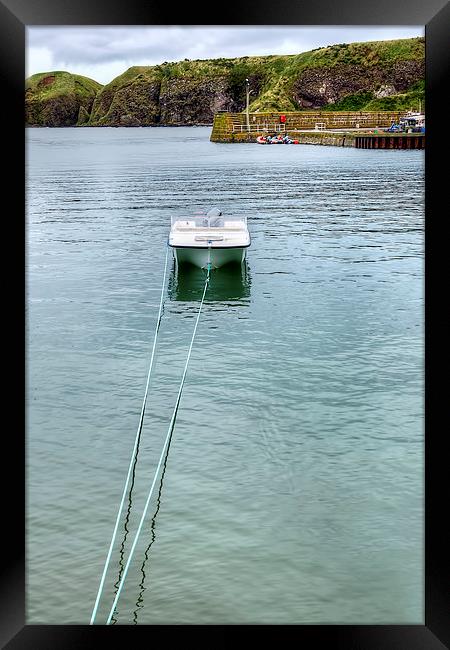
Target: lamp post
pixel 247 84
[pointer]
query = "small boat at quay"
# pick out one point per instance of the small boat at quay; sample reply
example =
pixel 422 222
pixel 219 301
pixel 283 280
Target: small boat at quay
pixel 209 240
pixel 275 139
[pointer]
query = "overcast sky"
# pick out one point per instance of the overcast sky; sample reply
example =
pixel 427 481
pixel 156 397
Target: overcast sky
pixel 103 53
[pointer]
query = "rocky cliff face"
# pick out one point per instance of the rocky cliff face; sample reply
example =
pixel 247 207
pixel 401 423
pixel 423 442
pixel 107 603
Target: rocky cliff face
pixel 145 97
pixel 191 101
pixel 59 99
pixel 359 76
pixel 321 87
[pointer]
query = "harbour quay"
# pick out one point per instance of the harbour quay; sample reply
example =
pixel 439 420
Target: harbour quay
pixel 359 129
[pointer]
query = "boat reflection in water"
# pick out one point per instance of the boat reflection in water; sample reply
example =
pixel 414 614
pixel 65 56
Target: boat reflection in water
pixel 232 282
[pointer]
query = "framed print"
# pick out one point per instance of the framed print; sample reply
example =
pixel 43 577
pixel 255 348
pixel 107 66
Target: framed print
pixel 288 468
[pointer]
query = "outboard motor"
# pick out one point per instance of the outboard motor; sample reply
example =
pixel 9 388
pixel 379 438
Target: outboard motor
pixel 214 212
pixel 214 218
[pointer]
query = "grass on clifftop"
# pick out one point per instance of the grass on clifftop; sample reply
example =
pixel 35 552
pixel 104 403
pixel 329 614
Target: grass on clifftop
pixel 366 53
pixel 51 84
pixel 286 69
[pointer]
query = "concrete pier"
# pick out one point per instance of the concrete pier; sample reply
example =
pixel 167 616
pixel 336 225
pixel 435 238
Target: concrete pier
pixel 361 130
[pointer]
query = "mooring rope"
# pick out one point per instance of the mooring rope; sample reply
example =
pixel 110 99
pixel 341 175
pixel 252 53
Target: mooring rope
pixel 136 442
pixel 169 434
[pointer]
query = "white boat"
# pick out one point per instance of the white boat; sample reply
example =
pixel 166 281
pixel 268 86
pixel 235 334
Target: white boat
pixel 413 122
pixel 209 238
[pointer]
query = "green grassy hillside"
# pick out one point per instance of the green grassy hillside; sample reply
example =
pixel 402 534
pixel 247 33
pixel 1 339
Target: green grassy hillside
pixel 59 98
pixel 378 75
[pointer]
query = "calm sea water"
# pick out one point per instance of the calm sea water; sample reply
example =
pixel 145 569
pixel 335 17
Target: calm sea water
pixel 293 487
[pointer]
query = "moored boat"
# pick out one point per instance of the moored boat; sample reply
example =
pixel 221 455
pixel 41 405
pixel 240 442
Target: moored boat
pixel 209 239
pixel 275 139
pixel 413 122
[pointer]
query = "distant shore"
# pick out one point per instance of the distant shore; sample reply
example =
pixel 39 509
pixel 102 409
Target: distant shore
pixel 371 76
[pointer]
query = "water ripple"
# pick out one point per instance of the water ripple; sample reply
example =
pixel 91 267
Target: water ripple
pixel 294 490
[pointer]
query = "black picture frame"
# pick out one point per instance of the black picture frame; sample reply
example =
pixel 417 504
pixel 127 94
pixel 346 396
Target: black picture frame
pixel 15 16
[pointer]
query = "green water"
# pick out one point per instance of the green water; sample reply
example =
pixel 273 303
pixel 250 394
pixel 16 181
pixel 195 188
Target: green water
pixel 293 487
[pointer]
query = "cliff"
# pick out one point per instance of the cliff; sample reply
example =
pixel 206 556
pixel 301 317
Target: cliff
pixel 59 99
pixel 379 75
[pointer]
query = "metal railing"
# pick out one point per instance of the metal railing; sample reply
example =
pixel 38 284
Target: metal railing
pixel 308 121
pixel 257 128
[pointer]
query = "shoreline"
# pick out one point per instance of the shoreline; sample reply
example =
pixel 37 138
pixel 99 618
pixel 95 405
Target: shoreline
pixel 355 138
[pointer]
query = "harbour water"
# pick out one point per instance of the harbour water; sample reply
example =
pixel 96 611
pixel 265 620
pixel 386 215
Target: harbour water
pixel 293 487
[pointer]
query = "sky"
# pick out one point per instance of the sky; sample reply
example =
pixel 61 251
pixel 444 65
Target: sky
pixel 103 53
